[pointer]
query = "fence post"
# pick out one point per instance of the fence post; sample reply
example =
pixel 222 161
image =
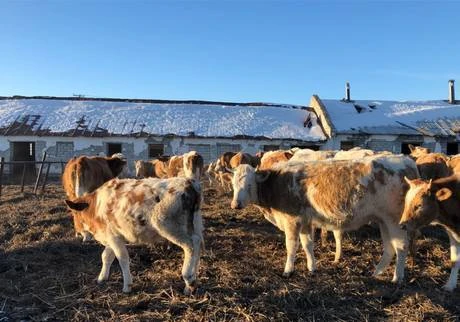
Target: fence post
pixel 2 161
pixel 23 177
pixel 39 172
pixel 46 177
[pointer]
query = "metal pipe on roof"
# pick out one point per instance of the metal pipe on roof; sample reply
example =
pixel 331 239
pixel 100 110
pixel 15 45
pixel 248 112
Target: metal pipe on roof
pixel 451 91
pixel 347 92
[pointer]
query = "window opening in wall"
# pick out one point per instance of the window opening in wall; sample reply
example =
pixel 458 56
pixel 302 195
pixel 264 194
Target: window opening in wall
pixel 452 148
pixel 405 146
pixel 156 150
pixel 271 147
pixel 113 148
pixel 346 145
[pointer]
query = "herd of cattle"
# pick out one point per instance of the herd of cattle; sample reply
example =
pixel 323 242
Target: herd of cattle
pixel 296 190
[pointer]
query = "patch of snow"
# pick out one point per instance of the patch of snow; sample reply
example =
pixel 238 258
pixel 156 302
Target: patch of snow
pixel 384 115
pixel 272 121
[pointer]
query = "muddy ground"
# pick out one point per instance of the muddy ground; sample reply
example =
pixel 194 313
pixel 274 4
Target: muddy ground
pixel 46 274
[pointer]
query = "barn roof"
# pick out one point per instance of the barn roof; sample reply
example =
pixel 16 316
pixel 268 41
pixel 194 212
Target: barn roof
pixel 74 116
pixel 432 118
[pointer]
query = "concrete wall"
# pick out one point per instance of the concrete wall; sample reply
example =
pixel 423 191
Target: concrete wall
pixel 64 148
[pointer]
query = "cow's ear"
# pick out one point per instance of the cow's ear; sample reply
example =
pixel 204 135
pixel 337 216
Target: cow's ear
pixel 411 148
pixel 78 206
pixel 262 176
pixel 408 181
pixel 443 194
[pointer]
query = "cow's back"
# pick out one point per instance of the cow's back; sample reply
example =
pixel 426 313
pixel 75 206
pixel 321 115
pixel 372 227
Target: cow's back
pixel 433 166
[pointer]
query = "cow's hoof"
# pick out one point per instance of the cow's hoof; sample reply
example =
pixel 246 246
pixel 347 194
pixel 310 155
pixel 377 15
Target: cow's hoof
pixel 127 289
pixel 287 274
pixel 189 290
pixel 448 288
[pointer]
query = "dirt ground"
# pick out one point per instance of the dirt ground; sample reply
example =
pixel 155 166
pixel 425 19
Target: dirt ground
pixel 46 274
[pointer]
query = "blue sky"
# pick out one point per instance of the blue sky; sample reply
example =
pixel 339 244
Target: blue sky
pixel 272 51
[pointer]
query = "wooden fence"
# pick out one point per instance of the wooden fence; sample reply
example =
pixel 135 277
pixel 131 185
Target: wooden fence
pixel 42 165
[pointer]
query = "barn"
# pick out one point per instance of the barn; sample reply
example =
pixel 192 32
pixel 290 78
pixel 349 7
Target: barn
pixel 390 125
pixel 64 127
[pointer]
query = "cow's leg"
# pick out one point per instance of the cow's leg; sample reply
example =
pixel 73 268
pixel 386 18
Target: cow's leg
pixel 400 243
pixel 307 240
pixel 291 231
pixel 455 258
pixel 121 253
pixel 323 236
pixel 107 259
pixel 190 244
pixel 338 245
pixel 388 250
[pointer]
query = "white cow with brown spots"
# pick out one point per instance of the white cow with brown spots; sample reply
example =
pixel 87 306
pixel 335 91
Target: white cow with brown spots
pixel 141 211
pixel 436 202
pixel 193 164
pixel 337 195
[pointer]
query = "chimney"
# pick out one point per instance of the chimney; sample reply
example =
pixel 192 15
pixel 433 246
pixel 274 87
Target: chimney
pixel 451 91
pixel 347 92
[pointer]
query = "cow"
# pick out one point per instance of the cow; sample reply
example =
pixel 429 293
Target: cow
pixel 270 158
pixel 193 165
pixel 244 158
pixel 433 166
pixel 85 174
pixel 418 151
pixel 223 162
pixel 125 170
pixel 438 202
pixel 175 166
pixel 454 163
pixel 337 195
pixel 156 168
pixel 140 211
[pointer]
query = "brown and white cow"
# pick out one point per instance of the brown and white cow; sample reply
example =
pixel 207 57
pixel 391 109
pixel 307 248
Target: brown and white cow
pixel 337 195
pixel 156 168
pixel 270 158
pixel 433 166
pixel 436 202
pixel 454 163
pixel 140 211
pixel 418 151
pixel 85 174
pixel 193 164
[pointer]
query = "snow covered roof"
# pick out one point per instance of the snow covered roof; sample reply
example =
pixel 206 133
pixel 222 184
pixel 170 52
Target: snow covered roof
pixel 430 118
pixel 103 117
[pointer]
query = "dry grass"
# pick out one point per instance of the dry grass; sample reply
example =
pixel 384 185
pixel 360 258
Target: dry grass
pixel 46 274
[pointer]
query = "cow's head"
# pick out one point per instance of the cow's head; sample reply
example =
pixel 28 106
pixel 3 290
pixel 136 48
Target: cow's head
pixel 418 151
pixel 78 208
pixel 244 181
pixel 116 165
pixel 139 167
pixel 421 205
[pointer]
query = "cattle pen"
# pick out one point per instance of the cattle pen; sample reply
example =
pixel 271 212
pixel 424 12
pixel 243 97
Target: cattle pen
pixel 47 274
pixel 27 171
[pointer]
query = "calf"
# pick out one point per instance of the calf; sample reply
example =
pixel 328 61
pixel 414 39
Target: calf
pixel 454 163
pixel 436 202
pixel 418 151
pixel 269 159
pixel 156 168
pixel 175 166
pixel 193 165
pixel 141 211
pixel 85 174
pixel 244 158
pixel 337 195
pixel 433 166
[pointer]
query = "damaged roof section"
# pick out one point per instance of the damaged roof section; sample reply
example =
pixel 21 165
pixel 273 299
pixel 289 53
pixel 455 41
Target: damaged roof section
pixel 51 116
pixel 432 118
